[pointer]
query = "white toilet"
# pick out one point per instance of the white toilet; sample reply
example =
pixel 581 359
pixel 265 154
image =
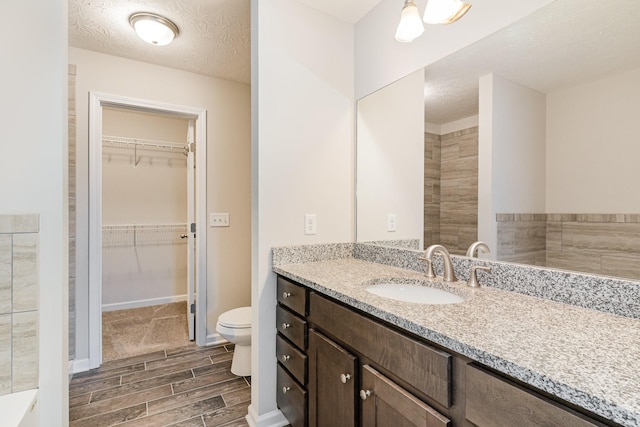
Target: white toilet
pixel 235 326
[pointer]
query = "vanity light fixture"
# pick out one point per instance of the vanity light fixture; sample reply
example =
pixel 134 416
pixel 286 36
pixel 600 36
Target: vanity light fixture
pixel 410 26
pixel 154 29
pixel 437 12
pixel 444 11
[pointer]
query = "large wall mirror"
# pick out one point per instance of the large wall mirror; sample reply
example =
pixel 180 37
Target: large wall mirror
pixel 526 140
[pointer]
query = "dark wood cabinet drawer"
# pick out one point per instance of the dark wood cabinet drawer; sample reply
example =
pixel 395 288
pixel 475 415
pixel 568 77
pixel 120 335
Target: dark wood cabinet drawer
pixel 291 399
pixel 384 403
pixel 419 365
pixel 492 401
pixel 292 359
pixel 292 295
pixel 292 327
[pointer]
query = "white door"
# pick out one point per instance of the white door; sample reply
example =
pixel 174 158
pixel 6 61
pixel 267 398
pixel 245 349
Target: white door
pixel 191 235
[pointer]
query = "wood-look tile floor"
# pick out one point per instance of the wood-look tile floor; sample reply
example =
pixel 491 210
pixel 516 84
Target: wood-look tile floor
pixel 185 387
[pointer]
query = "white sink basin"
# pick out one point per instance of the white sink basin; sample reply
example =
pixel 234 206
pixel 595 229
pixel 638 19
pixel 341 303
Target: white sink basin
pixel 414 293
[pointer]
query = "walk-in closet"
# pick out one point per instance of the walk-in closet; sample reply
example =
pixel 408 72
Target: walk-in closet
pixel 145 262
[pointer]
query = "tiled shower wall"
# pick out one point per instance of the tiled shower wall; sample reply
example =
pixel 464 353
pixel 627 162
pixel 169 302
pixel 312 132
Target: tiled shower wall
pixel 607 244
pixel 19 291
pixel 451 189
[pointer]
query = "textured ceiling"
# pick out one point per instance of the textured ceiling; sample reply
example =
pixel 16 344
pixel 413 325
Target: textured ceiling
pixel 214 37
pixel 565 43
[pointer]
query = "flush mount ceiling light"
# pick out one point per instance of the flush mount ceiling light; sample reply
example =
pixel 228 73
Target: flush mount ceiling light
pixel 437 12
pixel 410 26
pixel 154 29
pixel 444 11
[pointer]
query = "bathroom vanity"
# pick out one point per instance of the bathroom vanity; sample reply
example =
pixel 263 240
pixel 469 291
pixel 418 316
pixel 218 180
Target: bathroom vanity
pixel 347 357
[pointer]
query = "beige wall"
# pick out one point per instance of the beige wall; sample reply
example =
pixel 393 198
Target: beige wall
pixel 143 187
pixel 390 127
pixel 592 146
pixel 228 168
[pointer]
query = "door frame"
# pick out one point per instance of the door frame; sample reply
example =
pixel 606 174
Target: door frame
pixel 96 102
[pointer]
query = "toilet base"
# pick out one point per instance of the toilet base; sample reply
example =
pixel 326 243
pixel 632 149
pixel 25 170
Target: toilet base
pixel 241 363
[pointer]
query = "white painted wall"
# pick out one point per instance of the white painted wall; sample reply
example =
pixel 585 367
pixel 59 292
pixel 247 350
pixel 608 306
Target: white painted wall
pixel 228 168
pixel 143 187
pixel 593 146
pixel 390 169
pixel 380 59
pixel 302 156
pixel 33 170
pixel 511 158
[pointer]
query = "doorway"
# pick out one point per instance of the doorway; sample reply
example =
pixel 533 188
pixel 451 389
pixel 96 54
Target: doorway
pixel 139 237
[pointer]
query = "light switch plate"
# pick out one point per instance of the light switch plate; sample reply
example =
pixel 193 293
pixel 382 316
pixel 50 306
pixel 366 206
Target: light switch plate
pixel 391 222
pixel 219 220
pixel 310 224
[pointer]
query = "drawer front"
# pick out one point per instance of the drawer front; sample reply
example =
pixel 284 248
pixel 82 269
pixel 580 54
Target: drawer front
pixel 419 365
pixel 385 403
pixel 292 359
pixel 493 401
pixel 292 295
pixel 292 327
pixel 292 399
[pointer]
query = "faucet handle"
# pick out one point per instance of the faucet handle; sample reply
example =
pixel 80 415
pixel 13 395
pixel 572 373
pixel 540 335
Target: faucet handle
pixel 473 278
pixel 428 271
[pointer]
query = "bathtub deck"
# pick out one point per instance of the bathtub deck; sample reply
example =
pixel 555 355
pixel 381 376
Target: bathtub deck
pixel 188 386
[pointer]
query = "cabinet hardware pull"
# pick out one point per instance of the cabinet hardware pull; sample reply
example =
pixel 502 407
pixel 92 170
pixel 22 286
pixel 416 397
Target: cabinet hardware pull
pixel 344 378
pixel 286 325
pixel 364 394
pixel 285 357
pixel 285 389
pixel 286 294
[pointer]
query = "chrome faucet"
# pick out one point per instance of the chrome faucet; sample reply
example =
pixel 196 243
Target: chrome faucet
pixel 477 247
pixel 449 275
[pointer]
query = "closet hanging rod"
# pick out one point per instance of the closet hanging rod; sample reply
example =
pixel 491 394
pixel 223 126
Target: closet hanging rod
pixel 119 141
pixel 141 227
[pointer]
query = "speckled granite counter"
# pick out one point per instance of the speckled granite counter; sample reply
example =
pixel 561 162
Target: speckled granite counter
pixel 586 357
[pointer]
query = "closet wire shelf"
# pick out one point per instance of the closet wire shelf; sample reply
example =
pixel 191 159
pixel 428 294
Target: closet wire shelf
pixel 126 235
pixel 144 144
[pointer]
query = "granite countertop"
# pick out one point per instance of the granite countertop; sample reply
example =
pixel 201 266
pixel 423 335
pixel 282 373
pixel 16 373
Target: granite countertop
pixel 586 357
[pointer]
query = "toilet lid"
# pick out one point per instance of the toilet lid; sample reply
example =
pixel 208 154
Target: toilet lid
pixel 236 318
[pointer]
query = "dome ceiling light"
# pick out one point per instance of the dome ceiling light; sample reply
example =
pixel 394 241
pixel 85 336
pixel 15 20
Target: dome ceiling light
pixel 154 29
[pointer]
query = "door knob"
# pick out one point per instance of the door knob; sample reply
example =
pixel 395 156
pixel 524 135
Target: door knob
pixel 285 389
pixel 286 294
pixel 285 357
pixel 344 378
pixel 286 325
pixel 184 236
pixel 364 394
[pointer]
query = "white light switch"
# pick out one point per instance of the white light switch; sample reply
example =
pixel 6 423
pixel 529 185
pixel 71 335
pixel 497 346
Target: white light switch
pixel 219 220
pixel 391 222
pixel 310 224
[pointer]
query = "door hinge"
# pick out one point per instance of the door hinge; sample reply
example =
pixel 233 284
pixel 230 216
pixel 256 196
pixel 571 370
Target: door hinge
pixel 191 147
pixel 193 227
pixel 193 308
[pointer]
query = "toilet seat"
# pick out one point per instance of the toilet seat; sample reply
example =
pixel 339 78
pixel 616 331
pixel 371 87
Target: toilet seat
pixel 238 318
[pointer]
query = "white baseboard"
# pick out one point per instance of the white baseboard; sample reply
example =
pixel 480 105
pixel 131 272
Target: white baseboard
pixel 215 339
pixel 143 303
pixel 78 365
pixel 270 419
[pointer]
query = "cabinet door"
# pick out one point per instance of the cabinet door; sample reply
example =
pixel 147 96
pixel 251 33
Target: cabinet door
pixel 332 383
pixel 384 403
pixel 492 401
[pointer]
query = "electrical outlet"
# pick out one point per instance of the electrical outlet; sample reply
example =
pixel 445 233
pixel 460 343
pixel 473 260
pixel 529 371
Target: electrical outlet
pixel 391 222
pixel 310 224
pixel 219 220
